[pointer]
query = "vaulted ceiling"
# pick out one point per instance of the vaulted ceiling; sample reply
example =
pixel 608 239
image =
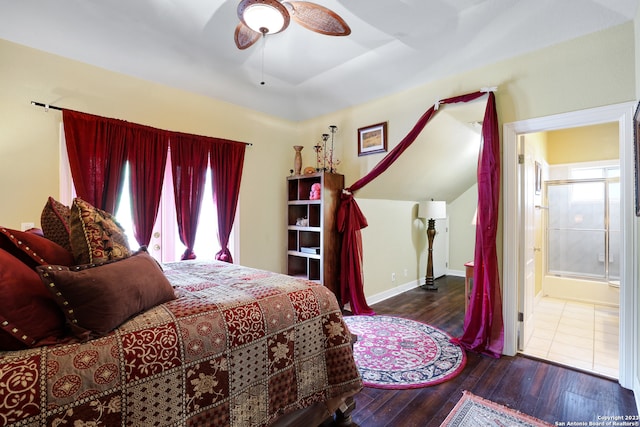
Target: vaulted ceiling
pixel 394 44
pixel 441 164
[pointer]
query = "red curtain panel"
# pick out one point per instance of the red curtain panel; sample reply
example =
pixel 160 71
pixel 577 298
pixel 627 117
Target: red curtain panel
pixel 147 156
pixel 96 150
pixel 227 158
pixel 189 160
pixel 483 323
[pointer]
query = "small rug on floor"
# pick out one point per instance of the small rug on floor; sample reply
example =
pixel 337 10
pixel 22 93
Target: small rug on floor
pixel 474 411
pixel 396 353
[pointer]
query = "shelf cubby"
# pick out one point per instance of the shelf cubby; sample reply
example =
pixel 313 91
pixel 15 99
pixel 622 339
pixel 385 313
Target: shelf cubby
pixel 313 242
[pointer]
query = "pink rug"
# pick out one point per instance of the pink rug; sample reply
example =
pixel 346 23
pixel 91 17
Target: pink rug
pixel 396 353
pixel 474 411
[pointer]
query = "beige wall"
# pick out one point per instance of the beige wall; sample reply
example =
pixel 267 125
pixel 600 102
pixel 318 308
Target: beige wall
pixel 462 231
pixel 29 160
pixel 585 144
pixel 545 82
pixel 393 246
pixel 548 81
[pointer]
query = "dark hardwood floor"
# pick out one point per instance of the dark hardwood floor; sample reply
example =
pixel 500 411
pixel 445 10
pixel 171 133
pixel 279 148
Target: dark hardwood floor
pixel 547 391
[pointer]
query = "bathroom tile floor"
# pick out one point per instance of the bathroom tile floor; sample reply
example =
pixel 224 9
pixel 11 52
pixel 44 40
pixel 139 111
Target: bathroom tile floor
pixel 581 335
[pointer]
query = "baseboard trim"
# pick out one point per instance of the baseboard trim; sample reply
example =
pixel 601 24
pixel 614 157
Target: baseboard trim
pixel 374 299
pixel 458 273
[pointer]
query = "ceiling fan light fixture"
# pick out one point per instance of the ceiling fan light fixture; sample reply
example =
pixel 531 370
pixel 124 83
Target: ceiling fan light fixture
pixel 264 16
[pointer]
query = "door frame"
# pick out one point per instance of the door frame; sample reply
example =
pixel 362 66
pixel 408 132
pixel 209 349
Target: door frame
pixel 623 115
pixel 528 272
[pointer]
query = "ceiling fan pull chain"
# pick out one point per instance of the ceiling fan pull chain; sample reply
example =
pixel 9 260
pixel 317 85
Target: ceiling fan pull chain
pixel 264 43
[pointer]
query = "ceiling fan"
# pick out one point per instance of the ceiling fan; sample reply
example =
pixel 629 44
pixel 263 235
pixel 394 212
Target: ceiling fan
pixel 261 17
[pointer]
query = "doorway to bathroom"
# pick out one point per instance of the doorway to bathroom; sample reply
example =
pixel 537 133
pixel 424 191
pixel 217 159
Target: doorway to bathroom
pixel 576 247
pixel 516 299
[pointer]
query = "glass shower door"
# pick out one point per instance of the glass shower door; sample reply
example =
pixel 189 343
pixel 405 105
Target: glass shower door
pixel 581 239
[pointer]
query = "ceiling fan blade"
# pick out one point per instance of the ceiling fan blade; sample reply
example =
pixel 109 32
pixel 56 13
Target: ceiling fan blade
pixel 318 18
pixel 245 36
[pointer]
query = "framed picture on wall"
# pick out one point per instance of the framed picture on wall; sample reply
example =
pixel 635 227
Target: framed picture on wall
pixel 636 152
pixel 372 139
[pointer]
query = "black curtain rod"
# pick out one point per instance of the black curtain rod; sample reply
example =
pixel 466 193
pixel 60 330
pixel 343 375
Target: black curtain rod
pixel 45 106
pixel 53 107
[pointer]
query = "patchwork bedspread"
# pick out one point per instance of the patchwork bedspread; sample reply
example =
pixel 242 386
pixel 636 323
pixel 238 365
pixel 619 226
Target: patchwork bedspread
pixel 238 347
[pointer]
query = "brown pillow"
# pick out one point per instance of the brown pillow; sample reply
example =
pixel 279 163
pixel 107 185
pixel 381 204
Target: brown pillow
pixel 28 314
pixel 98 299
pixel 95 236
pixel 32 249
pixel 54 220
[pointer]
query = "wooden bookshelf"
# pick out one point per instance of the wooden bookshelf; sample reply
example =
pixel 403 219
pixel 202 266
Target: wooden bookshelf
pixel 313 248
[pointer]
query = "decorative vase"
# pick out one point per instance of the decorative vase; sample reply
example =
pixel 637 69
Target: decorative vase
pixel 297 160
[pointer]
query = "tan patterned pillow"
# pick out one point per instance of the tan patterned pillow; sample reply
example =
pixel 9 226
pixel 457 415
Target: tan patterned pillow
pixel 55 222
pixel 95 236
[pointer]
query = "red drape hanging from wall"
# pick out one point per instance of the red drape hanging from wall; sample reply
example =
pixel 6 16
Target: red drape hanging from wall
pixel 147 156
pixel 96 150
pixel 227 158
pixel 483 325
pixel 351 220
pixel 189 160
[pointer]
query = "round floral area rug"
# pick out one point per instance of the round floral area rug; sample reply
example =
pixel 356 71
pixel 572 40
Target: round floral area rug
pixel 396 353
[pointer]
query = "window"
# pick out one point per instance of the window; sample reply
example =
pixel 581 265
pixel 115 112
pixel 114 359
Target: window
pixel 165 244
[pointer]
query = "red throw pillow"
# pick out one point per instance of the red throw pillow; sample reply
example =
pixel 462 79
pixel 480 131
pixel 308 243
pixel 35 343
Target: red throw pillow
pixel 96 299
pixel 32 249
pixel 54 220
pixel 96 236
pixel 28 314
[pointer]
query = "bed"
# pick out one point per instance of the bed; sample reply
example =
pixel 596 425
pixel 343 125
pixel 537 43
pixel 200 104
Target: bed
pixel 228 346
